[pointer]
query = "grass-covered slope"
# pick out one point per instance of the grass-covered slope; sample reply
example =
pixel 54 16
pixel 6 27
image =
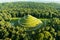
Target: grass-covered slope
pixel 29 21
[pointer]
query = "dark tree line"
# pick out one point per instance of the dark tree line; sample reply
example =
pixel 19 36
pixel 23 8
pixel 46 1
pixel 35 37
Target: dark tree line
pixel 39 10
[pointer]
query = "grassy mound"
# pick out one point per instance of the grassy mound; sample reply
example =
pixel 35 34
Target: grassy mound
pixel 29 21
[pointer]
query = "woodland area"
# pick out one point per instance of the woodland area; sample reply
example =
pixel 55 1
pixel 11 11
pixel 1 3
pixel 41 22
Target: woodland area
pixel 11 13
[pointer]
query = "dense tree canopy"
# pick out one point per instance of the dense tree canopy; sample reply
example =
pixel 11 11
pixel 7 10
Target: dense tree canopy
pixel 48 13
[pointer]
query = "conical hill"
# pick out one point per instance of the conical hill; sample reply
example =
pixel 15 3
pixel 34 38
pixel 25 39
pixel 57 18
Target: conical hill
pixel 29 21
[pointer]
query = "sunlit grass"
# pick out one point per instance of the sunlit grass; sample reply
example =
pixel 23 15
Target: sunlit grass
pixel 30 21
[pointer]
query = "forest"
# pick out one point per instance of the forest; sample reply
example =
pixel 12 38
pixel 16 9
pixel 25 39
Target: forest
pixel 29 21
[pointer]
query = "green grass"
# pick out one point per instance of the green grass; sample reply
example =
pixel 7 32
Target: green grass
pixel 30 21
pixel 15 20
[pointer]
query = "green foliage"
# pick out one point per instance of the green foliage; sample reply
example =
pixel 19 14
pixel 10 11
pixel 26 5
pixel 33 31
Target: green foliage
pixel 12 13
pixel 39 10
